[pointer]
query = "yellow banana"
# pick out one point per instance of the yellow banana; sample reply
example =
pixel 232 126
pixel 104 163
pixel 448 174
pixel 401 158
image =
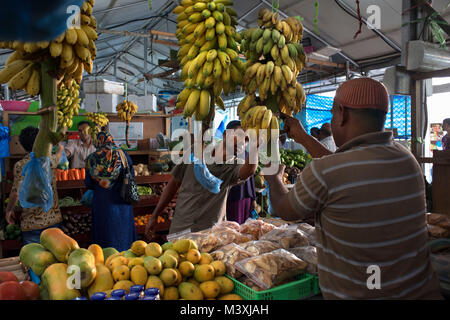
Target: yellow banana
pixel 12 69
pixel 33 84
pixel 20 79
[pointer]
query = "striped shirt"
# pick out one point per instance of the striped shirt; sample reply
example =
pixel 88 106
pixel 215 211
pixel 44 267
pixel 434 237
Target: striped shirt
pixel 368 200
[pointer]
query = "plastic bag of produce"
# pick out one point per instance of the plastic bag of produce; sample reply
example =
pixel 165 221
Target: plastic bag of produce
pixel 271 269
pixel 4 141
pixel 36 189
pixel 227 236
pixel 288 237
pixel 309 230
pixel 440 220
pixel 204 177
pixel 229 255
pixel 259 247
pixel 206 242
pixel 437 232
pixel 256 228
pixel 227 224
pixel 87 198
pixel 63 161
pixel 309 255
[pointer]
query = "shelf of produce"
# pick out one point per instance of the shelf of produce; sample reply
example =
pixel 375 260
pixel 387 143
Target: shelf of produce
pixel 70 184
pixel 147 201
pixel 156 178
pixel 9 245
pixel 75 210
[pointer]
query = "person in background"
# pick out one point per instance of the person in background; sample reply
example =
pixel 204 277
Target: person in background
pixel 77 151
pixel 367 200
pixel 326 138
pixel 283 143
pixel 112 218
pixel 446 138
pixel 242 197
pixel 33 220
pixel 315 132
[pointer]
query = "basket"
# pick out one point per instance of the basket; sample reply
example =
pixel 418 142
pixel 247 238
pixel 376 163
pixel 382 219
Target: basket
pixel 305 286
pixel 13 105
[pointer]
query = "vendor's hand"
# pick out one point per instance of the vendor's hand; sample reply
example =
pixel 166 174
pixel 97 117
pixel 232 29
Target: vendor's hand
pixel 150 228
pixel 294 129
pixel 10 217
pixel 277 176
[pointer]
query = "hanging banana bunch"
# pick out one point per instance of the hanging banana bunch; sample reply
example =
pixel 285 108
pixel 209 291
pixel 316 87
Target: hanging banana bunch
pixel 208 55
pixel 274 59
pixel 73 51
pixel 126 110
pixel 68 103
pixel 98 120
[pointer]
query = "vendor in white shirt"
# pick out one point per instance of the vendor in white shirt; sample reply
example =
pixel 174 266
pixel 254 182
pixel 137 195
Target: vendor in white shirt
pixel 77 151
pixel 326 138
pixel 289 144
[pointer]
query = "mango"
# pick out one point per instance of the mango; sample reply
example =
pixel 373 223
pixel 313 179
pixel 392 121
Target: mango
pixel 179 278
pixel 155 282
pixel 138 275
pixel 181 246
pixel 167 245
pixel 153 249
pixel 97 251
pixel 193 245
pixel 153 265
pixel 168 261
pixel 54 284
pixel 108 260
pixel 36 257
pixel 219 268
pixel 103 281
pixel 58 243
pixel 121 273
pixel 203 273
pixel 186 268
pixel 194 256
pixel 173 253
pixel 138 247
pixel 117 261
pixel 210 289
pixel 135 262
pixel 85 260
pixel 124 285
pixel 190 291
pixel 168 277
pixel 129 254
pixel 205 258
pixel 171 293
pixel 107 252
pixel 226 285
pixel 230 296
pixel 194 282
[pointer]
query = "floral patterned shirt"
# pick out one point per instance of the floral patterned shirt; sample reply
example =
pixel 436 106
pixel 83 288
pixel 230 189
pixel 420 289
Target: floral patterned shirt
pixel 36 218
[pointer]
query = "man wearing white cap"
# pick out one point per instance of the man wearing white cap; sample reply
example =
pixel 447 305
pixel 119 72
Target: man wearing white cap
pixel 368 202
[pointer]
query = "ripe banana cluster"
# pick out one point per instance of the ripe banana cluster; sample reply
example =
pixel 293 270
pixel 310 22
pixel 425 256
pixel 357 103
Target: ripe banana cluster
pixel 74 50
pixel 209 54
pixel 68 103
pixel 126 110
pixel 21 74
pixel 256 117
pixel 98 120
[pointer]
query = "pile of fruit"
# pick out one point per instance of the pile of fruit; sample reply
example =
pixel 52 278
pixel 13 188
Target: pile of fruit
pixel 76 223
pixel 144 190
pixel 141 170
pixel 274 59
pixel 70 174
pixel 126 110
pixel 68 202
pixel 12 289
pixel 294 158
pixel 74 52
pixel 12 232
pixel 177 269
pixel 141 221
pixel 209 54
pixel 68 103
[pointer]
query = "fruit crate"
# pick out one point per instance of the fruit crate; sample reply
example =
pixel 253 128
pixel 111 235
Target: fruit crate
pixel 305 286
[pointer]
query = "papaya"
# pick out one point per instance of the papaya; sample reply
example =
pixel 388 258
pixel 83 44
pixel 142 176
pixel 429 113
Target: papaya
pixel 103 281
pixel 58 243
pixel 97 251
pixel 107 252
pixel 36 257
pixel 85 260
pixel 54 284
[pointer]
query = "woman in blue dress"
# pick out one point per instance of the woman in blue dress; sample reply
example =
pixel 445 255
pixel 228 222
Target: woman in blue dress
pixel 112 218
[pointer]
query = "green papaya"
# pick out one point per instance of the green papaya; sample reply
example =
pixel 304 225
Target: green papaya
pixel 85 260
pixel 58 243
pixel 54 284
pixel 36 257
pixel 109 252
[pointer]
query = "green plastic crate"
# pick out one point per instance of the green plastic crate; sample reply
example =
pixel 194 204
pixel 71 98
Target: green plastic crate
pixel 305 286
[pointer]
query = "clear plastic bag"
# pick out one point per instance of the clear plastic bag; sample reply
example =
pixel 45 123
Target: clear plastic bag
pixel 229 255
pixel 204 177
pixel 439 220
pixel 289 237
pixel 271 269
pixel 227 224
pixel 309 255
pixel 87 198
pixel 36 188
pixel 309 230
pixel 259 247
pixel 206 242
pixel 249 283
pixel 437 232
pixel 256 228
pixel 227 236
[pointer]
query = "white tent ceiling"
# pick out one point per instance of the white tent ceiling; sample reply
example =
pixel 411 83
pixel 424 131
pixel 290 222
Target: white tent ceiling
pixel 119 54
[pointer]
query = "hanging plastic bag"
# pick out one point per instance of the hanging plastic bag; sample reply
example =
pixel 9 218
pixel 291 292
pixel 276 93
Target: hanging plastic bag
pixel 4 141
pixel 204 177
pixel 87 198
pixel 36 189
